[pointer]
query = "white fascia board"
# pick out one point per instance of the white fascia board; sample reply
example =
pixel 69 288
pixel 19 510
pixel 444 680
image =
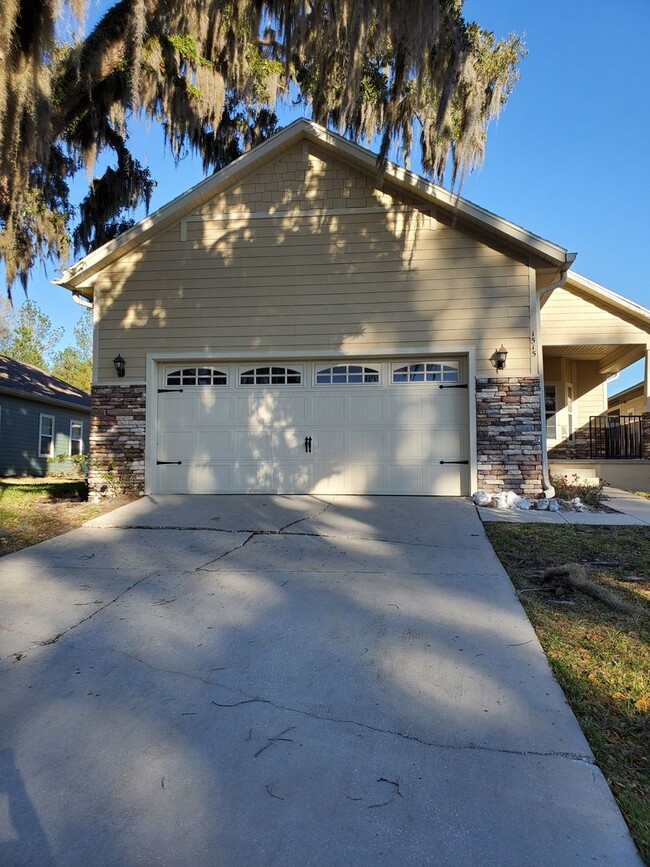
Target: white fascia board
pixel 77 274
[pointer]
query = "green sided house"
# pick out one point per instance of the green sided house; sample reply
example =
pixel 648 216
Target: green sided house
pixel 295 324
pixel 41 417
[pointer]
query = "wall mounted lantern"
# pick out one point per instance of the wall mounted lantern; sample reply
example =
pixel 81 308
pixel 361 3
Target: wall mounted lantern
pixel 498 358
pixel 120 365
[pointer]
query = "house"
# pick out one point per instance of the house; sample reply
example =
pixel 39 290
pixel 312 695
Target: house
pixel 41 417
pixel 630 401
pixel 296 323
pixel 588 334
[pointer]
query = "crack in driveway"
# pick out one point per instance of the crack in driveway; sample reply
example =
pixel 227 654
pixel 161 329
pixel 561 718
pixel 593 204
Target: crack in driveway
pixel 441 745
pixel 49 641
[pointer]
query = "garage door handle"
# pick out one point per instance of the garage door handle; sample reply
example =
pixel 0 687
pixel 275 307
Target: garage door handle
pixel 454 462
pixel 308 445
pixel 176 463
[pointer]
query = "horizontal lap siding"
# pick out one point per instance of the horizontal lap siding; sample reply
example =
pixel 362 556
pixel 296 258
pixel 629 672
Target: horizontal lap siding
pixel 568 318
pixel 19 436
pixel 359 281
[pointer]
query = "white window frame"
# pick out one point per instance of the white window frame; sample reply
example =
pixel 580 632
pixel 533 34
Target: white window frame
pixel 296 369
pixel 375 369
pixel 396 366
pixel 556 388
pixel 50 453
pixel 76 423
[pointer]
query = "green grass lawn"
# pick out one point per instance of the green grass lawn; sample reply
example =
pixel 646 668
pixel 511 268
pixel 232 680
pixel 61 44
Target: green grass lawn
pixel 600 656
pixel 32 510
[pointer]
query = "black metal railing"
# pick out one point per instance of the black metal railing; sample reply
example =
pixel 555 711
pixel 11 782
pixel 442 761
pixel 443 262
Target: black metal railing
pixel 614 436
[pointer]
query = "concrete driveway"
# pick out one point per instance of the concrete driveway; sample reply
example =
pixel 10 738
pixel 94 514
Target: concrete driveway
pixel 285 681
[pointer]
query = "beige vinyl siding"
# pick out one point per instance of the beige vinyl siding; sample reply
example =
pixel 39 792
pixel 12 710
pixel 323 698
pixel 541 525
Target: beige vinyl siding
pixel 589 392
pixel 591 396
pixel 385 277
pixel 570 318
pixel 634 405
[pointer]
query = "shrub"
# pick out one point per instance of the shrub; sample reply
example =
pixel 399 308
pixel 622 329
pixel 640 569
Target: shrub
pixel 567 488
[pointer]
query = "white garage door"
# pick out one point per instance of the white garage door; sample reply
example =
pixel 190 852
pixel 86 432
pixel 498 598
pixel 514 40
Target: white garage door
pixel 394 427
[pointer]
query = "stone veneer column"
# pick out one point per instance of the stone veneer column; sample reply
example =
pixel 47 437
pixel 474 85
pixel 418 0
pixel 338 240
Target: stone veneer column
pixel 509 434
pixel 117 426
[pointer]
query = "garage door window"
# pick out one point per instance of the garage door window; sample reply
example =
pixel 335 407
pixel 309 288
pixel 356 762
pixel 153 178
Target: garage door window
pixel 197 376
pixel 345 374
pixel 270 376
pixel 426 371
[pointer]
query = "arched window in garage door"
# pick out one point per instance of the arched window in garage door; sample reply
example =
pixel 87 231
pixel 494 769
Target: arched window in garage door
pixel 270 376
pixel 197 376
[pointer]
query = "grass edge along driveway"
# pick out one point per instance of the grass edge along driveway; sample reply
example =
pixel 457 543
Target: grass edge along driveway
pixel 600 655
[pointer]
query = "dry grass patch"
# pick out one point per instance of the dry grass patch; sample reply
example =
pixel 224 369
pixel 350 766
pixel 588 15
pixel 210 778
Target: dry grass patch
pixel 600 655
pixel 32 510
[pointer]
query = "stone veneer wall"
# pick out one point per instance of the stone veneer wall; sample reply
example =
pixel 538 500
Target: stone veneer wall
pixel 117 426
pixel 579 448
pixel 509 434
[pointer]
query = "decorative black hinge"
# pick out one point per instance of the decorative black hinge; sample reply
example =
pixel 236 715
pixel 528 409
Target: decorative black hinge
pixel 459 385
pixel 169 462
pixel 454 462
pixel 165 390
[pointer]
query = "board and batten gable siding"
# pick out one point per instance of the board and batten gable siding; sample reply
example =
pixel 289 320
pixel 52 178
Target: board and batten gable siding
pixel 19 436
pixel 308 255
pixel 570 317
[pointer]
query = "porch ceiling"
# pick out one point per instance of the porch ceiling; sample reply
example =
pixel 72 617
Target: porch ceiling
pixel 611 357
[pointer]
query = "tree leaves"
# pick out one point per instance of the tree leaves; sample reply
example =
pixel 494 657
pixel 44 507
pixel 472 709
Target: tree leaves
pixel 210 74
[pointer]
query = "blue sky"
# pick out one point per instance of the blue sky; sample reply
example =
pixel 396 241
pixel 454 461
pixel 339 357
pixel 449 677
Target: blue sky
pixel 567 159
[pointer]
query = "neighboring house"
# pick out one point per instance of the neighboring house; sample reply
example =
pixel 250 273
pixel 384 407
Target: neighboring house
pixel 295 323
pixel 41 417
pixel 630 401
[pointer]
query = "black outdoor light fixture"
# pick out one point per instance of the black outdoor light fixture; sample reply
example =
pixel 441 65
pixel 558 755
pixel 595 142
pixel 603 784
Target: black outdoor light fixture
pixel 120 365
pixel 498 359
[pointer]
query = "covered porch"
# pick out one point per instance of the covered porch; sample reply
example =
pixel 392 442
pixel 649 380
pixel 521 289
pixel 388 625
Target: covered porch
pixel 588 335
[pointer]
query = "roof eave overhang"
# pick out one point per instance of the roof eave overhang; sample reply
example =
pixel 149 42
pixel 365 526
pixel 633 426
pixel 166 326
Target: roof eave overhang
pixel 531 246
pixel 48 401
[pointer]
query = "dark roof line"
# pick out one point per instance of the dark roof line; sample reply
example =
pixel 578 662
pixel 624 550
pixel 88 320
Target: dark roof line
pixel 19 378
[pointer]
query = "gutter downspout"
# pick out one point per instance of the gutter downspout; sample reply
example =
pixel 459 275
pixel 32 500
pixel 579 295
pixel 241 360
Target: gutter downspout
pixel 549 490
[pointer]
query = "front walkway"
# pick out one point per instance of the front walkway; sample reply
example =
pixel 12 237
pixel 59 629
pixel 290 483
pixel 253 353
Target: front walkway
pixel 295 681
pixel 630 510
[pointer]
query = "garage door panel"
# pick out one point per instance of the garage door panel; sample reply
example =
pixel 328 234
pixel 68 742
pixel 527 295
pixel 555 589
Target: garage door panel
pixel 177 410
pixel 213 445
pixel 329 409
pixel 256 478
pixel 446 444
pixel 366 444
pixel 329 445
pixel 292 477
pixel 214 409
pixel 448 481
pixel 366 408
pixel 365 438
pixel 174 445
pixel 408 479
pixel 406 443
pixel 288 443
pixel 254 444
